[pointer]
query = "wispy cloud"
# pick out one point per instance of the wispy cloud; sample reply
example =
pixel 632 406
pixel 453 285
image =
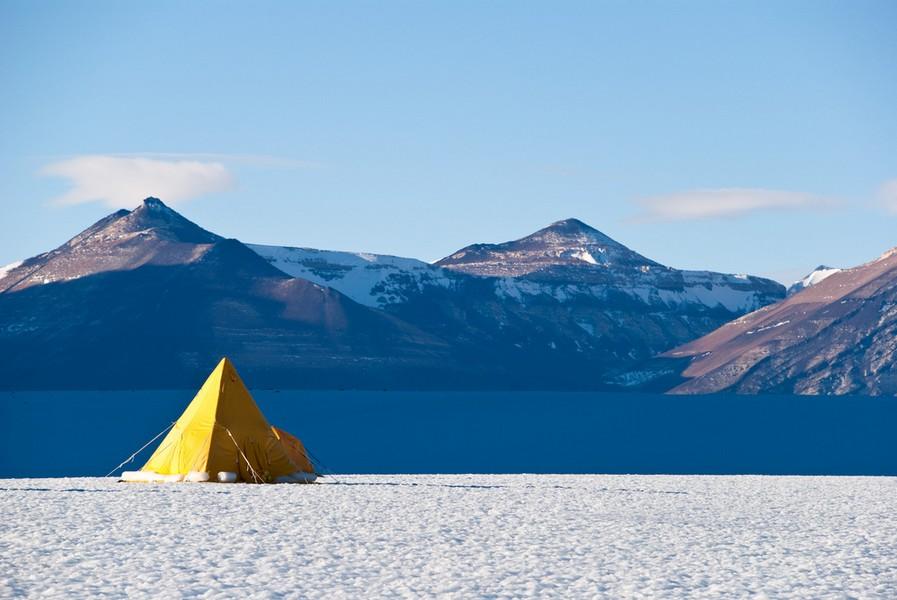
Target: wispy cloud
pixel 724 202
pixel 887 195
pixel 120 181
pixel 255 160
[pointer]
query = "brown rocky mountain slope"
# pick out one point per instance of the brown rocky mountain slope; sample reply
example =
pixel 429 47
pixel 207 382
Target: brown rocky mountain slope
pixel 837 337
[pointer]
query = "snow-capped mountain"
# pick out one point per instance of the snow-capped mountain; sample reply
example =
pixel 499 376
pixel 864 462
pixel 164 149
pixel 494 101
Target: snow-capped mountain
pixel 836 337
pixel 569 260
pixel 547 253
pixel 811 279
pixel 564 298
pixel 566 262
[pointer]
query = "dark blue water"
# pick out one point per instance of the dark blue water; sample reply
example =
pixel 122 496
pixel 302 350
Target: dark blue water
pixel 88 433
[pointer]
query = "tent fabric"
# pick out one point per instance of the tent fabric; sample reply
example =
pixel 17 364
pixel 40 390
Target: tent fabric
pixel 295 450
pixel 223 429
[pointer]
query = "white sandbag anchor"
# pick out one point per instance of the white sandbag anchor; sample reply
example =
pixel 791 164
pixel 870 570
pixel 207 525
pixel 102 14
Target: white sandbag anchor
pixel 150 477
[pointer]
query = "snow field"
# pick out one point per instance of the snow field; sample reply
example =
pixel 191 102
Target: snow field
pixel 454 536
pixel 378 280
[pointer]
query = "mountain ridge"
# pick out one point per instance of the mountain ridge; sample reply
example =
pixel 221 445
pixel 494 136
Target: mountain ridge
pixel 301 317
pixel 610 320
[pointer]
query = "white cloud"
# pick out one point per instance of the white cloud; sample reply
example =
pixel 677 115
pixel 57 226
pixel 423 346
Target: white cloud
pixel 887 195
pixel 253 160
pixel 120 181
pixel 724 202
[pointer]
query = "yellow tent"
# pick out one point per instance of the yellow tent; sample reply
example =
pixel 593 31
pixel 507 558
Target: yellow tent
pixel 223 435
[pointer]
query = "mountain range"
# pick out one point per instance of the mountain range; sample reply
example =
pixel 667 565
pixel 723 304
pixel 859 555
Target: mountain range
pixel 147 299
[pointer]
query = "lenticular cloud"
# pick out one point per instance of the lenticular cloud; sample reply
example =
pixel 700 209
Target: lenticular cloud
pixel 725 202
pixel 116 181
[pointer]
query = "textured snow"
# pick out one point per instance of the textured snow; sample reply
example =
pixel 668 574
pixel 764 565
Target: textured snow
pixel 711 293
pixel 732 299
pixel 455 536
pixel 370 279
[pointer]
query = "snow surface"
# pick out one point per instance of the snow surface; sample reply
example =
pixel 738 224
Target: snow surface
pixel 453 536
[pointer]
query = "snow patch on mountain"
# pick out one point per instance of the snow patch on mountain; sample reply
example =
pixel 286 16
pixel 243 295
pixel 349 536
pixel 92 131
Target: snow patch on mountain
pixel 379 280
pixel 4 271
pixel 818 274
pixel 584 256
pixel 712 290
pixel 736 293
pixel 371 279
pixel 733 300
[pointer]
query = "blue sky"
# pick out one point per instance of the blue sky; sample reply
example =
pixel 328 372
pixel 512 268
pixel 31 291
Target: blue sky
pixel 758 137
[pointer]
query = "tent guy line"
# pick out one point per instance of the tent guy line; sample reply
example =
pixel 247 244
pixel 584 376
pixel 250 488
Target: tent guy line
pixel 142 448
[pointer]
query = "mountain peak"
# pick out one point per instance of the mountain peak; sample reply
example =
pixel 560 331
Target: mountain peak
pixel 156 207
pixel 571 224
pixel 565 244
pixel 125 240
pixel 155 216
pixel 573 230
pixel 154 203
